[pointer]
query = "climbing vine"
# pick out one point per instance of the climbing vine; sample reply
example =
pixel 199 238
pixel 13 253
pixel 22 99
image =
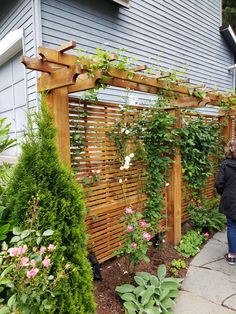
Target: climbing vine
pixel 153 139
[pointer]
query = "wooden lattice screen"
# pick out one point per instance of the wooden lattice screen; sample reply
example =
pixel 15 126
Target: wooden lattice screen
pixel 94 160
pixel 97 167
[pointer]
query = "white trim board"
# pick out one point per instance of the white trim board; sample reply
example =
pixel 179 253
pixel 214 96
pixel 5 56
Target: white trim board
pixel 10 45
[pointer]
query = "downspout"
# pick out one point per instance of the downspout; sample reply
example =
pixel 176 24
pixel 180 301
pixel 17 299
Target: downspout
pixel 232 69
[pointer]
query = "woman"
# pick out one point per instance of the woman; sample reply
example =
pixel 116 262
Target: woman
pixel 226 187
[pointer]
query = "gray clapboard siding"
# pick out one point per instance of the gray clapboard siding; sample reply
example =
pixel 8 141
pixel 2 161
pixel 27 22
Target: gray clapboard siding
pixel 179 32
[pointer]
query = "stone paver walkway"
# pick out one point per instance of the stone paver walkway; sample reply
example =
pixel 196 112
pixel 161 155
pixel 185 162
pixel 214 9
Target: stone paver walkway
pixel 210 284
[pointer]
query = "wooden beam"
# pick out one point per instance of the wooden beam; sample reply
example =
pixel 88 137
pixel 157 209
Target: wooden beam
pixel 67 46
pixel 60 78
pixel 37 64
pixel 57 101
pixel 54 56
pixel 138 68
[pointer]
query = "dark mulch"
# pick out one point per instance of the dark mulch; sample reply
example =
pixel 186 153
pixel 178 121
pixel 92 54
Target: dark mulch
pixel 113 273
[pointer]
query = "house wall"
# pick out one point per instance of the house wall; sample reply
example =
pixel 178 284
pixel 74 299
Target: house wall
pixel 17 84
pixel 166 33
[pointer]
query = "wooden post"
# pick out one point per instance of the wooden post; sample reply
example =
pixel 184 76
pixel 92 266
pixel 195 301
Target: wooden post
pixel 57 101
pixel 174 195
pixel 226 128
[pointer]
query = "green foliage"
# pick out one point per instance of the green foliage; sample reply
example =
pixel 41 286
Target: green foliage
pixel 26 280
pixel 152 295
pixel 5 141
pixel 153 139
pixel 229 13
pixel 198 142
pixel 190 243
pixel 136 239
pixel 205 213
pixel 39 174
pixel 176 265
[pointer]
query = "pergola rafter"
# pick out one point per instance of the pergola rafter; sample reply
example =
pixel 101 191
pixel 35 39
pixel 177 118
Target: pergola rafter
pixel 64 73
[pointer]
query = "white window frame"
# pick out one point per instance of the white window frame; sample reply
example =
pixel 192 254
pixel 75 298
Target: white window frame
pixel 10 45
pixel 124 3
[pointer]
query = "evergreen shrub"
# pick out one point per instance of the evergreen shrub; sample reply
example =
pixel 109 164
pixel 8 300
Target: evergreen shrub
pixel 39 174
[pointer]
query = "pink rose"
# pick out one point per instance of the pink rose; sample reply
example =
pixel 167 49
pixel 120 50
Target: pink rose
pixel 46 262
pixel 13 251
pixel 128 210
pixel 130 228
pixel 134 245
pixel 206 235
pixel 42 250
pixel 51 248
pixel 32 273
pixel 33 263
pixel 24 261
pixel 143 224
pixel 147 236
pixel 22 249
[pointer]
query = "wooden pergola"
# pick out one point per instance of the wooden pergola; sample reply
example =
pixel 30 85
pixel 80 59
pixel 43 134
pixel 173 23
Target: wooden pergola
pixel 64 73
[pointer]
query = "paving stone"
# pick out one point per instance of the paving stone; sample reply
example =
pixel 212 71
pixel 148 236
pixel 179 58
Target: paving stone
pixel 231 302
pixel 221 236
pixel 209 284
pixel 223 267
pixel 188 303
pixel 212 251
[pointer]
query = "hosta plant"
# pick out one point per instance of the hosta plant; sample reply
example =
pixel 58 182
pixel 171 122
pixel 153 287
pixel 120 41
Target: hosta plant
pixel 151 295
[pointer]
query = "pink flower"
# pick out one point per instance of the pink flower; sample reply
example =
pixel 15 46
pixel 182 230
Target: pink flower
pixel 200 207
pixel 143 224
pixel 134 245
pixel 130 228
pixel 22 249
pixel 32 273
pixel 51 248
pixel 13 251
pixel 33 263
pixel 24 261
pixel 46 262
pixel 42 250
pixel 206 235
pixel 128 210
pixel 147 236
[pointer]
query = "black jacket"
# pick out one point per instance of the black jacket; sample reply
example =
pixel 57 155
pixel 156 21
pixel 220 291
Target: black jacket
pixel 226 187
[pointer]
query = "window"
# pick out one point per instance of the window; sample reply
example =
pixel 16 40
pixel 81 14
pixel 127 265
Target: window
pixel 124 3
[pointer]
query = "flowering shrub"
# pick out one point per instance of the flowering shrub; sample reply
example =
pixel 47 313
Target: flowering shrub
pixel 204 213
pixel 136 239
pixel 26 280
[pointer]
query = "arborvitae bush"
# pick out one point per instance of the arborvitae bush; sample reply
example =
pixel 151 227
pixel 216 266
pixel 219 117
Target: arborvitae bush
pixel 39 174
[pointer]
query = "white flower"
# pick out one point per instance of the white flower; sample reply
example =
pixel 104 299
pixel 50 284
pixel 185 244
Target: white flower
pixel 126 132
pixel 125 179
pixel 121 168
pixel 98 171
pixel 131 155
pixel 93 171
pixel 127 159
pixel 143 129
pixel 167 184
pixel 122 130
pixel 126 166
pixel 120 180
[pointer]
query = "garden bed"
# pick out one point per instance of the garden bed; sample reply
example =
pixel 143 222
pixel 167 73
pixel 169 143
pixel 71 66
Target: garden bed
pixel 113 273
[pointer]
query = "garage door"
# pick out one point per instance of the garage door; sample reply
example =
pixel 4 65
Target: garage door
pixel 12 98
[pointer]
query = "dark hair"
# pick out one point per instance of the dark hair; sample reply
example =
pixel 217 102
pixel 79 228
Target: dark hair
pixel 230 149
